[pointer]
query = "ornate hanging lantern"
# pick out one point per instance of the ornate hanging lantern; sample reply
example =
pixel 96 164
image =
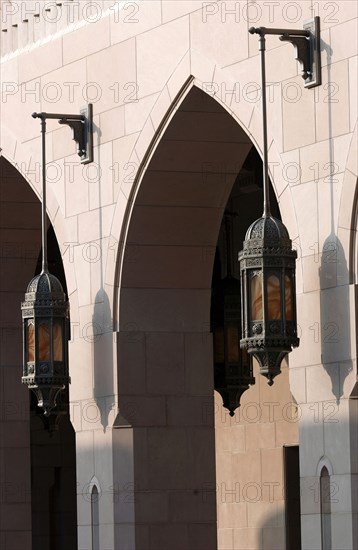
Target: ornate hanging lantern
pixel 267 264
pixel 232 365
pixel 45 314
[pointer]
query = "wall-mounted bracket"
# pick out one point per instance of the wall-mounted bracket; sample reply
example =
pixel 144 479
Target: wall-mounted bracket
pixel 82 126
pixel 308 48
pixel 308 52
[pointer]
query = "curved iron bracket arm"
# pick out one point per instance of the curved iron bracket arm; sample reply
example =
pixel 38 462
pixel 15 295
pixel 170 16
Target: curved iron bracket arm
pixel 307 44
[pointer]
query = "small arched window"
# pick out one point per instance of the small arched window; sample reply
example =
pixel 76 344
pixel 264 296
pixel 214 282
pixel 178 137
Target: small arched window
pixel 95 517
pixel 325 500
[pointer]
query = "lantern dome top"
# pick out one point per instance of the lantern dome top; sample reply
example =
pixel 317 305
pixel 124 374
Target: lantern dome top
pixel 45 283
pixel 268 229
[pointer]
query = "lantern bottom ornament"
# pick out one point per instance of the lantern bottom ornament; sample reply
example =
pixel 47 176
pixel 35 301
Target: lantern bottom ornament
pixel 267 265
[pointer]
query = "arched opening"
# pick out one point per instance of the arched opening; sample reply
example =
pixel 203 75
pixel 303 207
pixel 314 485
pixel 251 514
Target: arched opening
pixel 325 508
pixel 95 517
pixel 38 463
pixel 165 355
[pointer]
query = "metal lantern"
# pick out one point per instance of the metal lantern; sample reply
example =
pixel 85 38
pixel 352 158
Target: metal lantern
pixel 232 365
pixel 267 264
pixel 45 314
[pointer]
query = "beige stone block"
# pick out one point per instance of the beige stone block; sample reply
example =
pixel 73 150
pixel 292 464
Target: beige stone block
pixel 311 531
pixel 108 131
pixel 217 34
pixel 225 539
pixel 179 77
pixel 177 8
pixel 210 188
pixel 248 539
pixel 272 469
pixel 312 439
pixel 280 65
pixel 315 161
pixel 259 436
pixel 62 143
pixel 286 433
pixel 341 529
pixel 175 226
pixel 111 89
pixel 198 378
pixel 306 211
pixel 188 411
pixel 176 533
pixel 223 439
pixel 101 184
pixel 310 495
pixel 203 69
pixel 202 534
pixel 311 273
pixel 86 41
pixel 266 514
pixel 181 267
pixel 298 107
pixel 332 102
pixel 323 384
pixel 274 538
pixel 124 165
pixel 165 363
pixel 167 458
pixel 152 76
pixel 84 536
pixel 196 155
pixel 161 108
pixel 308 315
pixel 16 112
pixel 83 274
pixel 137 112
pixel 347 201
pixel 334 14
pixel 288 212
pixel 247 468
pixel 232 514
pixel 335 318
pixel 40 60
pixel 93 226
pixel 190 507
pixel 134 19
pixel 340 493
pixel 143 141
pixel 65 91
pixel 353 83
pixel 343 49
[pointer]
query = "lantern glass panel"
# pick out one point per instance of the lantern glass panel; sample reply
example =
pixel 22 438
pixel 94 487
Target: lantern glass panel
pixel 30 341
pixel 57 340
pixel 288 298
pixel 273 297
pixel 256 298
pixel 233 345
pixel 44 342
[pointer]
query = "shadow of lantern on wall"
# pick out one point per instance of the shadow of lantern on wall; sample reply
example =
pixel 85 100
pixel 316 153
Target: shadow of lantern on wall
pixel 233 373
